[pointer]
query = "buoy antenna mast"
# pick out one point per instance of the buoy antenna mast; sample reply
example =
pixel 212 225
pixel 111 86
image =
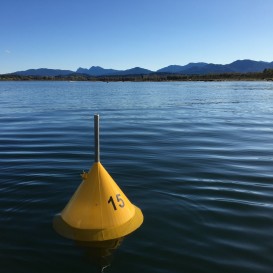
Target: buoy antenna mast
pixel 97 137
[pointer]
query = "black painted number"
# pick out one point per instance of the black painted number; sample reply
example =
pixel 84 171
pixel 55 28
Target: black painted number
pixel 119 200
pixel 113 203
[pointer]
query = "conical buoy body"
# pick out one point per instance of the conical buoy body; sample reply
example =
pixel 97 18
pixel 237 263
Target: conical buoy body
pixel 98 210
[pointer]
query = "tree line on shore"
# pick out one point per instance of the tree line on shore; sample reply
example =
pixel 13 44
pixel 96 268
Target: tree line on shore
pixel 267 75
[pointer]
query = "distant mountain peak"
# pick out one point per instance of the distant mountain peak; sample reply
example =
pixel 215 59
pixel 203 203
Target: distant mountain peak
pixel 44 72
pixel 180 68
pixel 238 66
pixel 137 70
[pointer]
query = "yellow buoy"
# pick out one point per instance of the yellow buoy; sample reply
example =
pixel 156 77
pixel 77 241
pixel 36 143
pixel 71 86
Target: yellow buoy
pixel 98 210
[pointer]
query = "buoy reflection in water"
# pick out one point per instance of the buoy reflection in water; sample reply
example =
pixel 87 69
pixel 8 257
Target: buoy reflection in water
pixel 99 254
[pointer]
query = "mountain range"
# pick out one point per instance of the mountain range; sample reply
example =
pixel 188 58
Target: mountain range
pixel 199 68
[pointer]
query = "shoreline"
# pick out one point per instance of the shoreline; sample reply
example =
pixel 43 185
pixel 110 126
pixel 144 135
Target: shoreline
pixel 266 75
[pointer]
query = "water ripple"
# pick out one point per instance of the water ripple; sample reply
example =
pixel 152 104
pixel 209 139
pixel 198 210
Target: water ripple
pixel 195 157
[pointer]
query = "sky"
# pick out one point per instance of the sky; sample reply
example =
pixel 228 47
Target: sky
pixel 122 34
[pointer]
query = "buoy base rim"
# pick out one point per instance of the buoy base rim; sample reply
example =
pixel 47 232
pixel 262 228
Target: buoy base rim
pixel 92 235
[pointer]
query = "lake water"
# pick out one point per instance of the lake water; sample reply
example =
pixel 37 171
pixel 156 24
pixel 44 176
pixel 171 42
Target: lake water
pixel 196 157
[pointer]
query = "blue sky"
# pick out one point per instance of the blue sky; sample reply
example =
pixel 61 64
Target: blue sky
pixel 121 34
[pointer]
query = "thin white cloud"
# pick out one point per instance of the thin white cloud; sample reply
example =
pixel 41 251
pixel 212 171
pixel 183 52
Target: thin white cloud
pixel 7 51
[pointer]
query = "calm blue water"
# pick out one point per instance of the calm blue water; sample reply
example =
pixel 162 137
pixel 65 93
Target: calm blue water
pixel 196 157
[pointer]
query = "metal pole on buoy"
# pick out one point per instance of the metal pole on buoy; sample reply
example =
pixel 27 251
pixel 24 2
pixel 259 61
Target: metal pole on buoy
pixel 98 210
pixel 97 137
